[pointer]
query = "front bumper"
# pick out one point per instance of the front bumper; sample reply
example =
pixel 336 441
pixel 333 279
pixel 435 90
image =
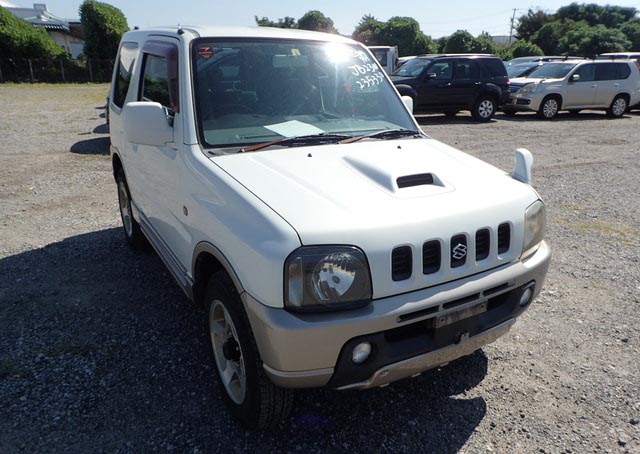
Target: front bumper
pixel 519 101
pixel 314 350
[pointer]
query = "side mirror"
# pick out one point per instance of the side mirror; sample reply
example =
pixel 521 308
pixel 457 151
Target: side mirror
pixel 575 77
pixel 146 123
pixel 431 76
pixel 408 102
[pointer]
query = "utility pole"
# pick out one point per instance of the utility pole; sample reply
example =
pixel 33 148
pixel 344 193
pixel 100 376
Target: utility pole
pixel 513 20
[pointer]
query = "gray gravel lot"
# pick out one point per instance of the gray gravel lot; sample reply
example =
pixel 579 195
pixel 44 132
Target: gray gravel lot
pixel 100 350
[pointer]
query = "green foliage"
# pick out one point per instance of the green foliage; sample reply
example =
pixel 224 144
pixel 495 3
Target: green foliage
pixel 585 40
pixel 459 42
pixel 593 14
pixel 369 31
pixel 103 25
pixel 403 32
pixel 484 44
pixel 316 21
pixel 531 22
pixel 287 22
pixel 548 36
pixel 523 48
pixel 631 30
pixel 20 39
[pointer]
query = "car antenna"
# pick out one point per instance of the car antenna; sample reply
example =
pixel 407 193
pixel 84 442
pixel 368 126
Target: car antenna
pixel 180 30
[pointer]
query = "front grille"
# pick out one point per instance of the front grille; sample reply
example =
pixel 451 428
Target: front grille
pixel 504 237
pixel 454 250
pixel 431 257
pixel 401 263
pixel 483 244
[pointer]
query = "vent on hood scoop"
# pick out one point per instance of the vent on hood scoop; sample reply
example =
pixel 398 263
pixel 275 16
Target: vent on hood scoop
pixel 418 179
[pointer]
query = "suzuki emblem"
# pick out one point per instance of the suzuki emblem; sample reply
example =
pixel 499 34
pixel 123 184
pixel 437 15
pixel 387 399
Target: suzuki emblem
pixel 459 252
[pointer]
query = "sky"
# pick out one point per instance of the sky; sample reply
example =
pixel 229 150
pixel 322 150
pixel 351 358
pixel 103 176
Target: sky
pixel 436 18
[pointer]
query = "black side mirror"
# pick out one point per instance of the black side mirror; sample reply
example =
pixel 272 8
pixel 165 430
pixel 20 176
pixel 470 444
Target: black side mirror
pixel 575 77
pixel 431 76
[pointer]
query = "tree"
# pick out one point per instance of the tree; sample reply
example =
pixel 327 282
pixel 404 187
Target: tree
pixel 460 42
pixel 103 25
pixel 403 32
pixel 531 22
pixel 522 48
pixel 631 30
pixel 609 16
pixel 484 44
pixel 20 39
pixel 589 41
pixel 548 36
pixel 287 22
pixel 368 31
pixel 316 21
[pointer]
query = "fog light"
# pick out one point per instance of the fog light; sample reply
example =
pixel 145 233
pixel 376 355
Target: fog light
pixel 361 352
pixel 526 295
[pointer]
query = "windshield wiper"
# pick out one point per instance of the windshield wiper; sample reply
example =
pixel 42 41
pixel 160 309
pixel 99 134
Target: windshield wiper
pixel 386 134
pixel 298 141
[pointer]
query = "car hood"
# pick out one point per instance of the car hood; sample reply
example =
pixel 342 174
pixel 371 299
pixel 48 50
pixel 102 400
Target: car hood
pixel 355 194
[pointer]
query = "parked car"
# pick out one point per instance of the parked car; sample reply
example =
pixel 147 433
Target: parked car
pixel 293 196
pixel 455 82
pixel 387 56
pixel 575 85
pixel 634 56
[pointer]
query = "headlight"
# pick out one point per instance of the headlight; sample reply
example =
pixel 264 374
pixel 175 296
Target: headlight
pixel 324 278
pixel 535 220
pixel 530 88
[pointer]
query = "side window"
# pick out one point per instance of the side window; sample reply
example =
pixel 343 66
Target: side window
pixel 155 81
pixel 466 69
pixel 586 72
pixel 442 69
pixel 612 71
pixel 494 67
pixel 122 81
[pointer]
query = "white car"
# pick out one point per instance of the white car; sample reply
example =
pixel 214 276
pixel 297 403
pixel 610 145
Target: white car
pixel 289 190
pixel 573 85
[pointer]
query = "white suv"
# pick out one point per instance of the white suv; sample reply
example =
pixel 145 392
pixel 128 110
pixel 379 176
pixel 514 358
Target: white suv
pixel 574 85
pixel 289 190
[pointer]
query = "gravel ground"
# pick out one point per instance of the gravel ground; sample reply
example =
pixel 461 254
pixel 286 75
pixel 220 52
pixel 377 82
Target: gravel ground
pixel 100 350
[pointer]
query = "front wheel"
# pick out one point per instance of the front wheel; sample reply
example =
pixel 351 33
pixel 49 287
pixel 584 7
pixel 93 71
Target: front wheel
pixel 549 108
pixel 132 230
pixel 252 398
pixel 484 109
pixel 618 107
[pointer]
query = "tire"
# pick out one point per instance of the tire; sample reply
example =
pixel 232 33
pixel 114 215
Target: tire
pixel 549 108
pixel 131 228
pixel 509 112
pixel 484 109
pixel 451 113
pixel 248 393
pixel 618 107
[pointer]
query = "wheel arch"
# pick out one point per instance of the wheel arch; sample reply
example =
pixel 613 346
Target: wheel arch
pixel 116 164
pixel 208 260
pixel 557 96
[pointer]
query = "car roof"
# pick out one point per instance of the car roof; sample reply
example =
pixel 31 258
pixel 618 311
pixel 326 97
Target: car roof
pixel 198 31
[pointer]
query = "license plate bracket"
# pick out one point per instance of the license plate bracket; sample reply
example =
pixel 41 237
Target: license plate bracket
pixel 453 317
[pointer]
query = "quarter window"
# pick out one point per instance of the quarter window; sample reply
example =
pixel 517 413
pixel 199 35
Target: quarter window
pixel 612 71
pixel 122 81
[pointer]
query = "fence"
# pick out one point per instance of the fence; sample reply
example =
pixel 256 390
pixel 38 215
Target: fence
pixel 52 71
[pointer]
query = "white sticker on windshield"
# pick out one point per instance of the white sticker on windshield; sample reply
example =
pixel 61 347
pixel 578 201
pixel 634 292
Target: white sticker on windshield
pixel 294 128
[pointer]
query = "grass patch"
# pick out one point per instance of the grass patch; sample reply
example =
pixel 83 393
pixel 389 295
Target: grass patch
pixel 626 232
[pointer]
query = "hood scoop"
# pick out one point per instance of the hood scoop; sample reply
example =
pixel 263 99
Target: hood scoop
pixel 418 179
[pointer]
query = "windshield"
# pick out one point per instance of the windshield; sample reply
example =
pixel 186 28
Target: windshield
pixel 552 71
pixel 252 91
pixel 520 70
pixel 412 68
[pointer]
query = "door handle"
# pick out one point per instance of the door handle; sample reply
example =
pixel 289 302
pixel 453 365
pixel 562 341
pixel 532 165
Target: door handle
pixel 594 86
pixel 616 85
pixel 478 83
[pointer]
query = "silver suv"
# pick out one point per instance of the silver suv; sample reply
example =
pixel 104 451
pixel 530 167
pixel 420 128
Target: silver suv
pixel 574 85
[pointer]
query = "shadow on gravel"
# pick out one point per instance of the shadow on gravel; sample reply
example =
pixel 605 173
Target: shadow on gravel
pixel 445 120
pixel 101 348
pixel 562 116
pixel 98 145
pixel 102 129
